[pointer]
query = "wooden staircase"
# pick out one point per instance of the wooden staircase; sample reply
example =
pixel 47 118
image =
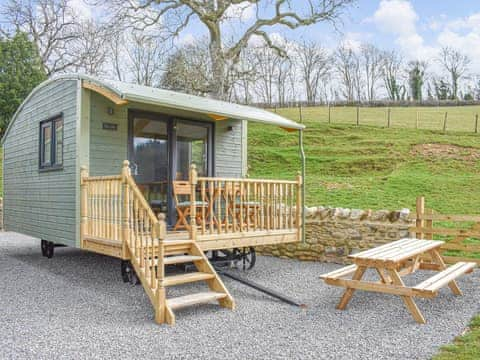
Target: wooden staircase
pixel 113 209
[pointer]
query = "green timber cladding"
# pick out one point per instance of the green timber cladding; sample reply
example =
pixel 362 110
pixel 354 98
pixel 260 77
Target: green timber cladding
pixel 41 204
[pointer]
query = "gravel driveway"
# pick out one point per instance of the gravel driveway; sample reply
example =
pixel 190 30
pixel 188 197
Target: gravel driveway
pixel 75 306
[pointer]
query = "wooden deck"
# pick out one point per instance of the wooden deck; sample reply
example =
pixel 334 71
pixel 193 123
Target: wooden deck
pixel 116 220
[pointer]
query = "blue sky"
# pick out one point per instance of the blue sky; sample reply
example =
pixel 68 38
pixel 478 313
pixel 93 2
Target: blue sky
pixel 415 28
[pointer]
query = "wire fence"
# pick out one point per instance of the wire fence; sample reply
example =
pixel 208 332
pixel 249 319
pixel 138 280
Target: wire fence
pixel 443 118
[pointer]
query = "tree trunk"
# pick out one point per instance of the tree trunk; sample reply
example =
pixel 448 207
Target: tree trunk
pixel 217 56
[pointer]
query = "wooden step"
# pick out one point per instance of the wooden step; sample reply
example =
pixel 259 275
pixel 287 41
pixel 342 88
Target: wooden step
pixel 174 247
pixel 180 259
pixel 193 299
pixel 187 278
pixel 445 276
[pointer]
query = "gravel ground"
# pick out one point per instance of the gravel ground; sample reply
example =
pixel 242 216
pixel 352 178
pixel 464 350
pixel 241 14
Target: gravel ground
pixel 75 306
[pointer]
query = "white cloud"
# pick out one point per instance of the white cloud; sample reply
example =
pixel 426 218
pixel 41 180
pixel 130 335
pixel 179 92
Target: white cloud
pixel 187 39
pixel 396 17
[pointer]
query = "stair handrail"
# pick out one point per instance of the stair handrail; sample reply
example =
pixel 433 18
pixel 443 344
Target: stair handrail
pixel 154 270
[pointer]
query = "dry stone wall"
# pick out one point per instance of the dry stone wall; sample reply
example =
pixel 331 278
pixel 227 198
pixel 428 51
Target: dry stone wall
pixel 334 233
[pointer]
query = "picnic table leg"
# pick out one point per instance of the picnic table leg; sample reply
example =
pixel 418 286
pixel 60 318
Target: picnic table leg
pixel 412 307
pixel 347 295
pixel 437 258
pixel 383 277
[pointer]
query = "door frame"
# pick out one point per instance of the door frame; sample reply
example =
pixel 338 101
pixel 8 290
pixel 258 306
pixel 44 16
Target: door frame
pixel 172 122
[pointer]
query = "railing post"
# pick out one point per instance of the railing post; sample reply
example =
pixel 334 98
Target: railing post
pixel 420 211
pixel 83 204
pixel 193 179
pixel 299 212
pixel 125 208
pixel 160 233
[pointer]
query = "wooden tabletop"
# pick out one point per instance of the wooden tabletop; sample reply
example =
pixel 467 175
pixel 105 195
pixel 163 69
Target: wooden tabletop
pixel 395 252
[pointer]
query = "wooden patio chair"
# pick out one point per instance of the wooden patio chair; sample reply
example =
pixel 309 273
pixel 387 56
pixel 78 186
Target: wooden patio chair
pixel 182 194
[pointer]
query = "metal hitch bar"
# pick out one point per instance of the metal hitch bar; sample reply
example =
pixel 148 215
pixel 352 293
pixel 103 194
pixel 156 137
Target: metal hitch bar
pixel 261 288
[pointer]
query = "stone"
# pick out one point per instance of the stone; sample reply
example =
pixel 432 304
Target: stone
pixel 356 214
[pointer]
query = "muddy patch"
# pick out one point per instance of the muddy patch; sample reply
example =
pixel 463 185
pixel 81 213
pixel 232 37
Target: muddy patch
pixel 446 151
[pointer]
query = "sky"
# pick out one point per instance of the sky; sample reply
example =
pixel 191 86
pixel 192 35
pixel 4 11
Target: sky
pixel 415 28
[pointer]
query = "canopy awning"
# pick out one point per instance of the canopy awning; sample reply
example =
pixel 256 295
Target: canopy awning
pixel 215 109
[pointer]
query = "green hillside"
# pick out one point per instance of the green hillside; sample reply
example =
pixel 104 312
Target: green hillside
pixel 374 167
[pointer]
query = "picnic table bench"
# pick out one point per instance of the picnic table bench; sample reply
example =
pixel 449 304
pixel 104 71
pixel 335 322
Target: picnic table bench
pixel 394 260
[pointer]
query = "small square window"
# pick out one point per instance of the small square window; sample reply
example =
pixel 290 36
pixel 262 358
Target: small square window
pixel 51 143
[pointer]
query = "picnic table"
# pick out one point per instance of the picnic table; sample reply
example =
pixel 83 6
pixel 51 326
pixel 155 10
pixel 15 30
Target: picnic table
pixel 394 260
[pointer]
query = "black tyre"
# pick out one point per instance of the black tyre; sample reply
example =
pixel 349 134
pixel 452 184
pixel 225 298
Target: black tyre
pixel 245 258
pixel 43 246
pixel 128 273
pixel 50 249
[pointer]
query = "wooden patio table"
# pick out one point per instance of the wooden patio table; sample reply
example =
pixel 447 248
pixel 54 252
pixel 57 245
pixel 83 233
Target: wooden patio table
pixel 394 260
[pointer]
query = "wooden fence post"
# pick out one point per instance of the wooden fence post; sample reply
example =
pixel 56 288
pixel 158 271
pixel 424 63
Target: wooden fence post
pixel 125 208
pixel 420 211
pixel 329 114
pixel 445 122
pixel 358 115
pixel 388 117
pixel 160 233
pixel 83 204
pixel 193 178
pixel 476 123
pixel 416 121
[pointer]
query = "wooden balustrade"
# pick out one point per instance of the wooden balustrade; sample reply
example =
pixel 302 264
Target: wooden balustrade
pixel 114 209
pixel 231 205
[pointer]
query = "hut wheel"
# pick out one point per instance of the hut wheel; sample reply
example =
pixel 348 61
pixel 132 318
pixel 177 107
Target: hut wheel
pixel 128 273
pixel 245 258
pixel 43 246
pixel 48 248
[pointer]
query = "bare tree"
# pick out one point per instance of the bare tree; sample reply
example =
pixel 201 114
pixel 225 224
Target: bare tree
pixel 146 57
pixel 91 48
pixel 52 25
pixel 371 61
pixel 456 64
pixel 267 64
pixel 188 69
pixel 347 65
pixel 175 15
pixel 391 68
pixel 314 65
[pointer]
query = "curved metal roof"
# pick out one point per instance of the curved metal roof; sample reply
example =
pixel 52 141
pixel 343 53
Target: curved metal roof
pixel 175 100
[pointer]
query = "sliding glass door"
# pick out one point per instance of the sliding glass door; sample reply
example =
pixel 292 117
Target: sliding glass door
pixel 161 149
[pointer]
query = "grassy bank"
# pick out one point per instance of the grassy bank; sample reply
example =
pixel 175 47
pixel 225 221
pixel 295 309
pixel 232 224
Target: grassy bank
pixel 371 167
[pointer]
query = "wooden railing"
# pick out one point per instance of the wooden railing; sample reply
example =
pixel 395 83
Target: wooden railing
pixel 232 205
pixel 114 209
pixel 461 233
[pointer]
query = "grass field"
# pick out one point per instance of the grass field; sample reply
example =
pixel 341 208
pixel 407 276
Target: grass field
pixel 459 118
pixel 373 167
